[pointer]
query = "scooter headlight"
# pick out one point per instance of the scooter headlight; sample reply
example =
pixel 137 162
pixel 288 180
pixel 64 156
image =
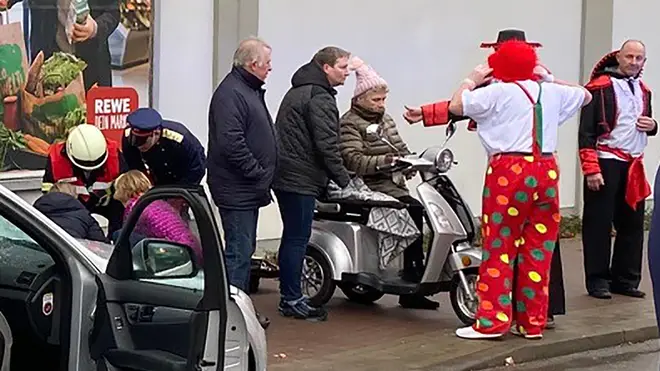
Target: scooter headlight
pixel 440 216
pixel 444 160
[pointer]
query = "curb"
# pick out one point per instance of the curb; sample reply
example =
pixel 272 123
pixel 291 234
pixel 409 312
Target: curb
pixel 534 350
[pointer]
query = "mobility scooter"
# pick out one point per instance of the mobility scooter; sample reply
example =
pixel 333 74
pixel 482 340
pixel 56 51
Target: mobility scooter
pixel 344 252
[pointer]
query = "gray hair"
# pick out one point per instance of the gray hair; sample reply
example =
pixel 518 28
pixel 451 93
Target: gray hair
pixel 63 187
pixel 249 51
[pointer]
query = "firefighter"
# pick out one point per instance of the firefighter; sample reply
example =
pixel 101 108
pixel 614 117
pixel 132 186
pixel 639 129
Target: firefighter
pixel 91 163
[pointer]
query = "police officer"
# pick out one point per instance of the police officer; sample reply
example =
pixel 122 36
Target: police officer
pixel 91 163
pixel 166 150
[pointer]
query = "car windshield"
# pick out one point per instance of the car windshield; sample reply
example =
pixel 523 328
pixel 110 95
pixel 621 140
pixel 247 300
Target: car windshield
pixel 12 235
pixel 100 249
pixel 18 251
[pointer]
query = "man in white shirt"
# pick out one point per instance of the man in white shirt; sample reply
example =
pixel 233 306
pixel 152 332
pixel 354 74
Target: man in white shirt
pixel 518 120
pixel 438 114
pixel 613 134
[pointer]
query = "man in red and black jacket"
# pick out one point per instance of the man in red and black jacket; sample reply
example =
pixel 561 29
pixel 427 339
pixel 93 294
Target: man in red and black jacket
pixel 613 133
pixel 91 163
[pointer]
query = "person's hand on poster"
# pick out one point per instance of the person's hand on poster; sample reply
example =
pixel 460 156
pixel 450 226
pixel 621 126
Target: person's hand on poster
pixel 85 31
pixel 4 4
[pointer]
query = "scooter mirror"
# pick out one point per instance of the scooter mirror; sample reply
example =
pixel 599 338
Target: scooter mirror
pixel 451 129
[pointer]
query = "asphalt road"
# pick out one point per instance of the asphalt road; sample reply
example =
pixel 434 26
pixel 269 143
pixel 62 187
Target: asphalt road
pixel 638 357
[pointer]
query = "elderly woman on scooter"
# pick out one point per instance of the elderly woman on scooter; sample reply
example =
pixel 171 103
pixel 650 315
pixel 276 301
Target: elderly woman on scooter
pixel 362 153
pixel 518 122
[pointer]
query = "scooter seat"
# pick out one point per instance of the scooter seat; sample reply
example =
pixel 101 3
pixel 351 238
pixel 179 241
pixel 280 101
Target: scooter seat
pixel 328 205
pixel 357 211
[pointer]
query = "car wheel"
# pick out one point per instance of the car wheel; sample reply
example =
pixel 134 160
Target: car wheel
pixel 360 293
pixel 316 279
pixel 464 307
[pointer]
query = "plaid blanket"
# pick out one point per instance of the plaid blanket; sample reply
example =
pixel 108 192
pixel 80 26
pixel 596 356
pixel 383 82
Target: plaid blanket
pixel 396 228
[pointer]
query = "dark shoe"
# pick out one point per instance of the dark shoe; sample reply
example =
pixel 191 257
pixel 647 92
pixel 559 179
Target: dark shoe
pixel 550 323
pixel 601 294
pixel 633 293
pixel 263 320
pixel 417 302
pixel 300 309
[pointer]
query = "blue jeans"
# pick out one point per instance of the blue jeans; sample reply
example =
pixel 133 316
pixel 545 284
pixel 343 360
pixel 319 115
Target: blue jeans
pixel 297 213
pixel 654 249
pixel 240 228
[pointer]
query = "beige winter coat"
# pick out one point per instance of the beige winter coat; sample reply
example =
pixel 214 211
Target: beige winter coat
pixel 363 152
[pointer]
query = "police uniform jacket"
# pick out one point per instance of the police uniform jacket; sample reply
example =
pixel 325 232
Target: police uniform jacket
pixel 176 159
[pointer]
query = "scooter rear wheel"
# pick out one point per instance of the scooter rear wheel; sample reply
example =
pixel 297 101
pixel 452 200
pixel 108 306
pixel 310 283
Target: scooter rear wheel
pixel 464 308
pixel 360 294
pixel 316 281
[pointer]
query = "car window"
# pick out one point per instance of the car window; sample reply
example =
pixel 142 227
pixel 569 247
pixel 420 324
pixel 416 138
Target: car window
pixel 166 244
pixel 20 256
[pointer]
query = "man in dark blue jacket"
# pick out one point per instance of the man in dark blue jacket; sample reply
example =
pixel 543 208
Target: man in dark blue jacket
pixel 166 150
pixel 242 154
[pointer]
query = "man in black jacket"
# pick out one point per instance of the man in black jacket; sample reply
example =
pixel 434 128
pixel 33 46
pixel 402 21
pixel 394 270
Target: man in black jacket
pixel 612 137
pixel 242 154
pixel 89 38
pixel 307 128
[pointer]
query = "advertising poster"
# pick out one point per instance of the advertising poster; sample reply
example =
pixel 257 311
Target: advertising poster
pixel 65 63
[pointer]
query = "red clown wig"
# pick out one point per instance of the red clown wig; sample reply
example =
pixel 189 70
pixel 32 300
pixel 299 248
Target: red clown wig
pixel 513 61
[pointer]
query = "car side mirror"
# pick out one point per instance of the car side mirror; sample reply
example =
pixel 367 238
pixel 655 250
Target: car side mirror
pixel 160 259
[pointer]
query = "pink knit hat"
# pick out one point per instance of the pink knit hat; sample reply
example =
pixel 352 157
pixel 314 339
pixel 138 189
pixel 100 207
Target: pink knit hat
pixel 366 77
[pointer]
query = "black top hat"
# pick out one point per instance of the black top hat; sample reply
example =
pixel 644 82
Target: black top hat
pixel 510 34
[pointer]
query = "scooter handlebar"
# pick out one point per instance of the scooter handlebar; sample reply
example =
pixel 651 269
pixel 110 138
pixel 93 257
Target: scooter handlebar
pixel 396 164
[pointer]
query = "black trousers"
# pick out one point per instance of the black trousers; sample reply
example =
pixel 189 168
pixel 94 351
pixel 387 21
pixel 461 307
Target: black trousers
pixel 413 256
pixel 602 208
pixel 557 294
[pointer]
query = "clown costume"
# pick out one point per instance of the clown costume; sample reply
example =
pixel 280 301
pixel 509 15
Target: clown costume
pixel 518 120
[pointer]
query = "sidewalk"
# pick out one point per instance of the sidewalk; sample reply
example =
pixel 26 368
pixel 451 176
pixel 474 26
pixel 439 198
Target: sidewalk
pixel 386 337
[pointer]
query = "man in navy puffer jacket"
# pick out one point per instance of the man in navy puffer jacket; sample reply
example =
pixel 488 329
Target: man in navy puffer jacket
pixel 62 207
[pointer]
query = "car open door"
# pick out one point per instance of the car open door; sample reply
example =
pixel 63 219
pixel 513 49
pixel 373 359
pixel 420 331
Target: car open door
pixel 162 303
pixel 6 341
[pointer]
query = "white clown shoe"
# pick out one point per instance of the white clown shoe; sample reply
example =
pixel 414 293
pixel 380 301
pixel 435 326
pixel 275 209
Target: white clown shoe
pixel 471 333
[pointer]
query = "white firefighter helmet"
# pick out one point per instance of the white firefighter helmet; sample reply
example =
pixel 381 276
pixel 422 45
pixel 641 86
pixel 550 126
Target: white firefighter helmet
pixel 86 147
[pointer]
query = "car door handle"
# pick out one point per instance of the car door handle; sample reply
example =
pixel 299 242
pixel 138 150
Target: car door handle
pixel 138 313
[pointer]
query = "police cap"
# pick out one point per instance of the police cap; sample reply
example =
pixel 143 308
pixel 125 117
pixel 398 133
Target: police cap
pixel 146 119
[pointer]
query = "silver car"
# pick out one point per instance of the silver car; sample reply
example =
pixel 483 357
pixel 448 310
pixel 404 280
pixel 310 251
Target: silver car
pixel 143 304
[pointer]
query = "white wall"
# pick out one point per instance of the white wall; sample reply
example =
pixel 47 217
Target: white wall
pixel 183 62
pixel 423 48
pixel 635 19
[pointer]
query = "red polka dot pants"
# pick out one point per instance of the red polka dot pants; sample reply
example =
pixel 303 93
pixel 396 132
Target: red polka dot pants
pixel 520 226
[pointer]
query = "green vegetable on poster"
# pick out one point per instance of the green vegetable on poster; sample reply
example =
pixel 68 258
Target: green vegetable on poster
pixel 10 140
pixel 12 74
pixel 59 71
pixel 61 115
pixel 53 100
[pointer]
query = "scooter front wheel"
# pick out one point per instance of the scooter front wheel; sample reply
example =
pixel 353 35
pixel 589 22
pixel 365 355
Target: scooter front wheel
pixel 465 304
pixel 316 281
